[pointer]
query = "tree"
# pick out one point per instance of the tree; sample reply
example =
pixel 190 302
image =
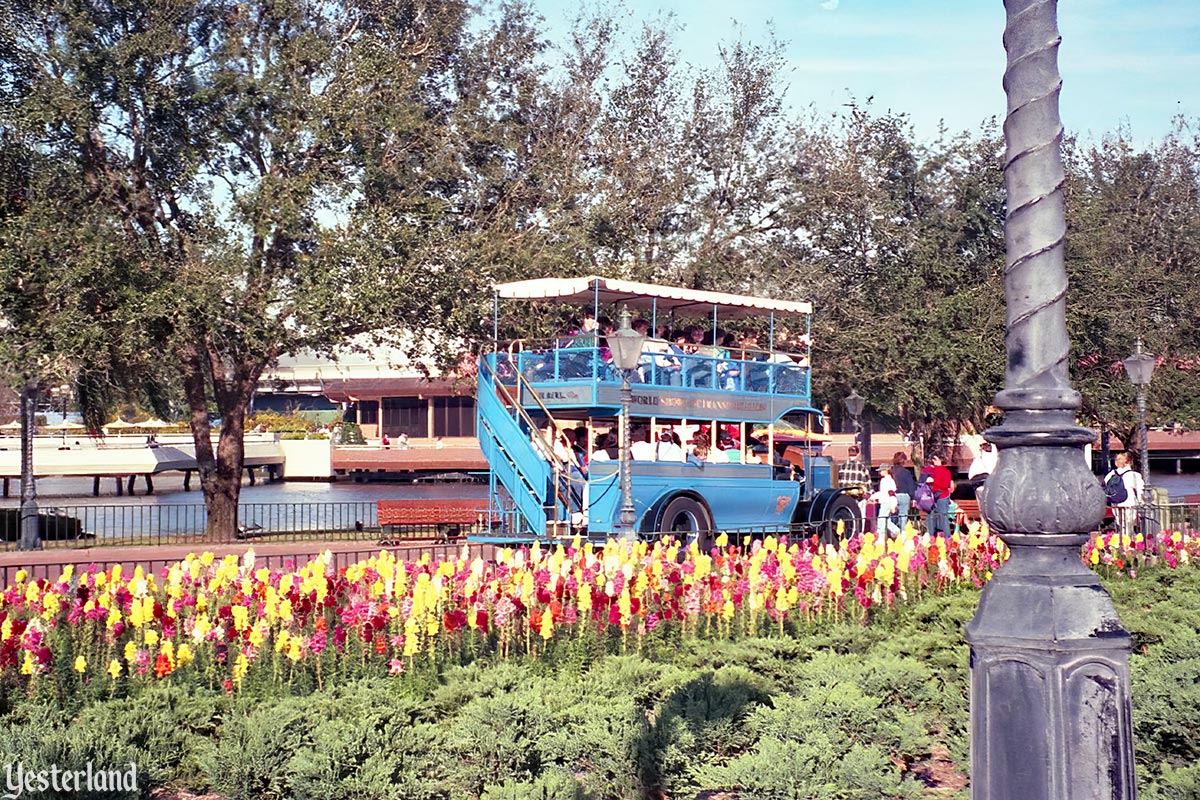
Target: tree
pixel 286 174
pixel 1133 246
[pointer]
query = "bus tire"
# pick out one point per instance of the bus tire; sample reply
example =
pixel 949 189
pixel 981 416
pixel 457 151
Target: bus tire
pixel 690 519
pixel 830 508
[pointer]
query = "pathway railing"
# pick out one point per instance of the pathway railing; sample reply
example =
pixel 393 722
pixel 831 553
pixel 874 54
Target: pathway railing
pixel 94 525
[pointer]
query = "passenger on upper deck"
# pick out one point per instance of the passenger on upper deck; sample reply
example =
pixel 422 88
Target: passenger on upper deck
pixel 701 369
pixel 657 363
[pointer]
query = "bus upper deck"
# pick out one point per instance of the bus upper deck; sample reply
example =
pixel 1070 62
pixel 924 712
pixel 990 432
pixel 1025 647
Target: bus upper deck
pixel 688 374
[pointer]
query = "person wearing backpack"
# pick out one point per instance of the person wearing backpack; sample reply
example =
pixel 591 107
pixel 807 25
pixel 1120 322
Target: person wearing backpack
pixel 938 478
pixel 1124 480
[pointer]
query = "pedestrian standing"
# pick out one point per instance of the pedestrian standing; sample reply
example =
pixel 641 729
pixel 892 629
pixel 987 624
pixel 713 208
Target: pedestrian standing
pixel 942 483
pixel 1126 510
pixel 906 487
pixel 885 497
pixel 854 477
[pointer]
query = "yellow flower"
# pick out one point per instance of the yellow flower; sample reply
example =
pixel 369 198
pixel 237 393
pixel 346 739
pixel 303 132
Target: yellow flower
pixel 240 667
pixel 201 627
pixel 256 635
pixel 412 643
pixel 183 655
pixel 68 571
pixel 294 651
pixel 27 665
pixel 130 651
pixel 80 664
pixel 151 637
pixel 51 604
pixel 114 669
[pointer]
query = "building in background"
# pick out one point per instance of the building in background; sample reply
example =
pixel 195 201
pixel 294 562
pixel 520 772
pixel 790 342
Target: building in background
pixel 381 388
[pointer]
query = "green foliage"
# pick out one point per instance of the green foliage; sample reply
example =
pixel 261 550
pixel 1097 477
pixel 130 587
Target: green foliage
pixel 278 422
pixel 844 711
pixel 351 434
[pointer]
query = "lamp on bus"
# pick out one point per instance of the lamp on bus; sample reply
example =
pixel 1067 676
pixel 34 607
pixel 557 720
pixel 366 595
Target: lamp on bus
pixel 1140 369
pixel 625 344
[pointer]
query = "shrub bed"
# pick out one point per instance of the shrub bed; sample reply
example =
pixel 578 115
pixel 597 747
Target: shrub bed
pixel 759 676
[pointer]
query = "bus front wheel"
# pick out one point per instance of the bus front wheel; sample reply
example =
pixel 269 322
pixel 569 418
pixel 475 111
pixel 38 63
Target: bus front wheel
pixel 690 520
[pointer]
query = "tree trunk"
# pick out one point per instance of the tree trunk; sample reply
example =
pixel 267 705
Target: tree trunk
pixel 220 471
pixel 30 540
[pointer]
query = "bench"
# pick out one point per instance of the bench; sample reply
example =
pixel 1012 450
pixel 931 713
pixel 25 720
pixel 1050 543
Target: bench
pixel 446 517
pixel 968 511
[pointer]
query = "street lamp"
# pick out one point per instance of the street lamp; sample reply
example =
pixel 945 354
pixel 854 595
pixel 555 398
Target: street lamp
pixel 854 406
pixel 1140 368
pixel 1049 661
pixel 62 392
pixel 625 344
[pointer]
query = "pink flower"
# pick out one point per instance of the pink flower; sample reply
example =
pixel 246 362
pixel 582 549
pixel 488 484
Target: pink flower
pixel 395 666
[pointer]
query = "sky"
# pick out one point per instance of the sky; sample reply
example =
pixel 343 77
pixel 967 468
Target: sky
pixel 1132 64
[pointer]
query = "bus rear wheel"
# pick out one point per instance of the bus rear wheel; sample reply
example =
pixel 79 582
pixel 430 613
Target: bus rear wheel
pixel 689 520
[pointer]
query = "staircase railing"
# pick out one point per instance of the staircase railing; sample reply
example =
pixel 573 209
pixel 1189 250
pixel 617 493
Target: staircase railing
pixel 537 480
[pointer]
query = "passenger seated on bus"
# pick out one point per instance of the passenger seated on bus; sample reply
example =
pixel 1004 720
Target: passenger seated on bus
pixel 606 448
pixel 657 363
pixel 730 370
pixel 790 370
pixel 586 338
pixel 729 450
pixel 640 447
pixel 758 374
pixel 700 369
pixel 667 448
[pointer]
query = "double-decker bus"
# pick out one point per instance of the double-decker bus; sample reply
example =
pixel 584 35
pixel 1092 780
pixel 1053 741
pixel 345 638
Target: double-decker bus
pixel 749 406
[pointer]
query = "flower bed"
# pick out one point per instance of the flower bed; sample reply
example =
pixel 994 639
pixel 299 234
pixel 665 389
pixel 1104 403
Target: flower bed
pixel 219 619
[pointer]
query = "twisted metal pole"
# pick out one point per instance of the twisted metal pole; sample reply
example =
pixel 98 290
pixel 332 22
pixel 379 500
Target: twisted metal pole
pixel 1050 698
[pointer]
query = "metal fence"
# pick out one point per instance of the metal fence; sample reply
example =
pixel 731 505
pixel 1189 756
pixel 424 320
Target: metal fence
pixel 93 525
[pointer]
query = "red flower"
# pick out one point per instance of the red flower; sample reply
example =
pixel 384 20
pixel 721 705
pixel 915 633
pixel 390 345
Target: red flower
pixel 162 665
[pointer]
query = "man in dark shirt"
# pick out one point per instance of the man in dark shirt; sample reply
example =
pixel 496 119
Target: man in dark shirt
pixel 853 474
pixel 906 487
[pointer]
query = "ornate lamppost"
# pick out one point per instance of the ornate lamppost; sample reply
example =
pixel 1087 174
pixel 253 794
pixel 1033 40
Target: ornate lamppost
pixel 1050 700
pixel 854 407
pixel 62 393
pixel 626 346
pixel 1140 369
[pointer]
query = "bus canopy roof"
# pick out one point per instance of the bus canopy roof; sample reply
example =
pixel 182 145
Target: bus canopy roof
pixel 644 296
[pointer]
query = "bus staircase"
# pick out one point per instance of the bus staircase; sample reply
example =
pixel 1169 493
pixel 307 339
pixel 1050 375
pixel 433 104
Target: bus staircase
pixel 542 491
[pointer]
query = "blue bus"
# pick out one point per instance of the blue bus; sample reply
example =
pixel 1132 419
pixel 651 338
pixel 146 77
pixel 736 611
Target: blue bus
pixel 723 434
